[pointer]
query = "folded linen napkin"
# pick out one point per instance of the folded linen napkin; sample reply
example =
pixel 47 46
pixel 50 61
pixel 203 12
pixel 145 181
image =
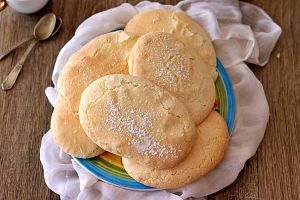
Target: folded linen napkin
pixel 240 32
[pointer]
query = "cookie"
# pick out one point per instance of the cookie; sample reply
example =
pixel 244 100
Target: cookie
pixel 174 65
pixel 181 26
pixel 208 150
pixel 106 54
pixel 134 118
pixel 69 135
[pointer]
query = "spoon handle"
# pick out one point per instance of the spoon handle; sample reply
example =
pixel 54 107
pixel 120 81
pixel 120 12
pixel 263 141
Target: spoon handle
pixel 7 51
pixel 10 80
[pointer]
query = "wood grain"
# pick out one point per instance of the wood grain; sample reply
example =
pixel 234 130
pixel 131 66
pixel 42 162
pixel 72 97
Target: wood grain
pixel 276 163
pixel 272 173
pixel 279 174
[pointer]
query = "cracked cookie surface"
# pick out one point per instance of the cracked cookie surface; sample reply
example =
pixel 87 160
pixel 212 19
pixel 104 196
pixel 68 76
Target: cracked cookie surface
pixel 180 25
pixel 175 66
pixel 69 135
pixel 208 150
pixel 134 118
pixel 106 54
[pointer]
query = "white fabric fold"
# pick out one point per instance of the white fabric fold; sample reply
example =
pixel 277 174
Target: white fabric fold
pixel 240 32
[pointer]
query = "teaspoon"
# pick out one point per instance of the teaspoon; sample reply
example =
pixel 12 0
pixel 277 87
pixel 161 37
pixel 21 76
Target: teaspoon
pixel 42 31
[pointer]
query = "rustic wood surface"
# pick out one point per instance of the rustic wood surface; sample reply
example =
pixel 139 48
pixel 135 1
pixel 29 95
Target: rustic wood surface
pixel 272 173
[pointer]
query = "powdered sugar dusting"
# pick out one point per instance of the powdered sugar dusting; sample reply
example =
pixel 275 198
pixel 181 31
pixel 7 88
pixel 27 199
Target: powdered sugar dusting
pixel 139 127
pixel 155 20
pixel 164 54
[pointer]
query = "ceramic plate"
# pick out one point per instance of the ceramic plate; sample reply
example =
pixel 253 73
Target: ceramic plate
pixel 108 167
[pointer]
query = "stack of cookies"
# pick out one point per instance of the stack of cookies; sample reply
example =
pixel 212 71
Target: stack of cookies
pixel 147 95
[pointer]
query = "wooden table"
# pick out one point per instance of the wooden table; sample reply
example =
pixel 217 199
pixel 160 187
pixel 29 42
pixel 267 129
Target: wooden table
pixel 272 173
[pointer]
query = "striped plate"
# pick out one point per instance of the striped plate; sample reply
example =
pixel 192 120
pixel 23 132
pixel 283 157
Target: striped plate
pixel 108 167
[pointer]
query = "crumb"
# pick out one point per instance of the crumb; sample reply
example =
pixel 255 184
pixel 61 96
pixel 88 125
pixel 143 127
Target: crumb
pixel 278 55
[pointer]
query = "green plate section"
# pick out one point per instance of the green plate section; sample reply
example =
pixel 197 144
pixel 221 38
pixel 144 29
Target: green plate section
pixel 110 168
pixel 221 97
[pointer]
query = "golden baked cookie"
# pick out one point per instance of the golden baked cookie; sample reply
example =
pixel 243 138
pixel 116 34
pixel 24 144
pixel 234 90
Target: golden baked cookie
pixel 181 26
pixel 69 135
pixel 208 150
pixel 175 66
pixel 106 54
pixel 134 118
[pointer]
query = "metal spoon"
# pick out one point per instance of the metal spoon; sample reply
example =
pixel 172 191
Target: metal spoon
pixel 42 31
pixel 7 51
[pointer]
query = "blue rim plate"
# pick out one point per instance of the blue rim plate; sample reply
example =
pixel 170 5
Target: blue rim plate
pixel 108 167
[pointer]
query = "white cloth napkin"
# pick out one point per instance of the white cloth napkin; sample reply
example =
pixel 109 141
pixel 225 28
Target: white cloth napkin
pixel 240 32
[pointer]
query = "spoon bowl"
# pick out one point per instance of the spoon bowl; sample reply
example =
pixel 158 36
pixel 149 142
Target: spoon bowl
pixel 44 28
pixel 42 31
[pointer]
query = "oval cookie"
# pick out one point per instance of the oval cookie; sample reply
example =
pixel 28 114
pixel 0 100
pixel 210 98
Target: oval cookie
pixel 208 150
pixel 106 54
pixel 69 135
pixel 181 26
pixel 134 118
pixel 175 66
